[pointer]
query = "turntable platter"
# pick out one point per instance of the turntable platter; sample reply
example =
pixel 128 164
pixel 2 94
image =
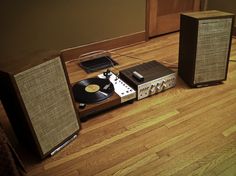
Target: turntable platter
pixel 92 90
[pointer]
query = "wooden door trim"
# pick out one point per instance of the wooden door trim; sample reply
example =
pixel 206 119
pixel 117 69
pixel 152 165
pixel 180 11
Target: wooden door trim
pixel 147 20
pixel 151 13
pixel 196 5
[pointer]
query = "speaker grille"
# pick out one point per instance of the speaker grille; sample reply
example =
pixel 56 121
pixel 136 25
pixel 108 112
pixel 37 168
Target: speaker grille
pixel 47 100
pixel 212 49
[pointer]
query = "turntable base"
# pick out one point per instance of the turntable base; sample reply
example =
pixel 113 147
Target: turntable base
pixel 97 94
pixel 91 109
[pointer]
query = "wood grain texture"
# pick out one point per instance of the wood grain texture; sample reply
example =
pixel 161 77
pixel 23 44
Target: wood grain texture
pixel 181 131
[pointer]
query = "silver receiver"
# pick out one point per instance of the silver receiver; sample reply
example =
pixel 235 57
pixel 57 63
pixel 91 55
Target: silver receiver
pixel 149 78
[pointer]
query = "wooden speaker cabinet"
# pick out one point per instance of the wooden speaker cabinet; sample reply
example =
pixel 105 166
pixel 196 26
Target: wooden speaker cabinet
pixel 38 101
pixel 204 48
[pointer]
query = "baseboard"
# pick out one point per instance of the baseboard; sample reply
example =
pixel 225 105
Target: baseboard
pixel 73 53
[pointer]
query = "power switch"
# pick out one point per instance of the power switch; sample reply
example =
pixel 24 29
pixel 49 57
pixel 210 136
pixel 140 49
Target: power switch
pixel 138 76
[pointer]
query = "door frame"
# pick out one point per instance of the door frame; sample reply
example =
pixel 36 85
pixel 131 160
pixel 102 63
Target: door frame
pixel 151 17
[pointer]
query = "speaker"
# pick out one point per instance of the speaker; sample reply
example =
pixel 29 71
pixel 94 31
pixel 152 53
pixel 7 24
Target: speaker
pixel 204 47
pixel 36 96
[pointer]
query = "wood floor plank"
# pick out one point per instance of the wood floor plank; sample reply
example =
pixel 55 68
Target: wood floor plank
pixel 187 143
pixel 131 130
pixel 209 162
pixel 173 142
pixel 224 165
pixel 186 158
pixel 231 171
pixel 229 131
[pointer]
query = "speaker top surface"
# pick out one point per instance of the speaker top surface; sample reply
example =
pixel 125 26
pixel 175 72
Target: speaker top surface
pixel 207 14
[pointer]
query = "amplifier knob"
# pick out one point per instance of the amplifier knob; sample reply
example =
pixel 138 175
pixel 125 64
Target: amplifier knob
pixel 164 86
pixel 159 87
pixel 152 89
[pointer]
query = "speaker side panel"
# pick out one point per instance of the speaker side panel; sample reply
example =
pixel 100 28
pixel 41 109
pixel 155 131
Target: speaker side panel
pixel 187 48
pixel 13 107
pixel 213 46
pixel 47 99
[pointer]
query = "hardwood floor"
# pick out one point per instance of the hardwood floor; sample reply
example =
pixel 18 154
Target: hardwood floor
pixel 179 132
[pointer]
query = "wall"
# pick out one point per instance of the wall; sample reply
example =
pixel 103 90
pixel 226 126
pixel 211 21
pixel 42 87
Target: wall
pixel 228 6
pixel 30 25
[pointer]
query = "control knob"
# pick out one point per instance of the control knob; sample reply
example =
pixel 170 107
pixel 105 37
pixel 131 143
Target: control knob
pixel 161 86
pixel 152 89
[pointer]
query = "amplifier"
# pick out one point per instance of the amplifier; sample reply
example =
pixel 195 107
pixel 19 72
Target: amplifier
pixel 36 95
pixel 149 78
pixel 204 47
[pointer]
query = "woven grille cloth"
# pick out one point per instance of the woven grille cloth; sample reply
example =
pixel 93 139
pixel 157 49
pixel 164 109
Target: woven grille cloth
pixel 212 49
pixel 47 99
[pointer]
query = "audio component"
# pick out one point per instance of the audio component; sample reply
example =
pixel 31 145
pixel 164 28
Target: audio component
pixel 100 93
pixel 96 60
pixel 38 101
pixel 125 92
pixel 149 78
pixel 204 50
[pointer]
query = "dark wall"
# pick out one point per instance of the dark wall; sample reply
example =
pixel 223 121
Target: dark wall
pixel 227 6
pixel 30 25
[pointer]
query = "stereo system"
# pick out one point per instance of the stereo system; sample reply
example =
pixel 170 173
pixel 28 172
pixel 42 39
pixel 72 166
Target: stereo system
pixel 204 48
pixel 38 101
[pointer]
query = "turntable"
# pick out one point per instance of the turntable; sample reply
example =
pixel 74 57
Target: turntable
pixel 99 93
